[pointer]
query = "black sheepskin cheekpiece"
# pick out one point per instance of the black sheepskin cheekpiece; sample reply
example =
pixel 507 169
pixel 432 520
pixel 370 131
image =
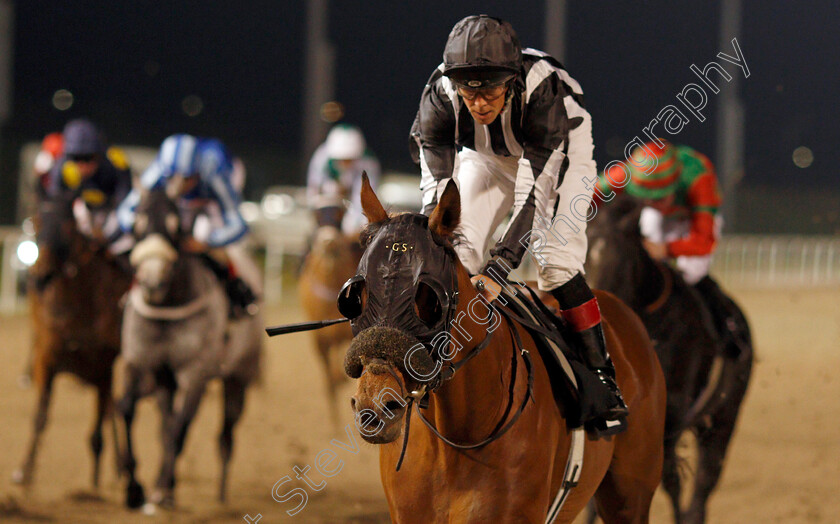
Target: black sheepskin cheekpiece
pixel 389 344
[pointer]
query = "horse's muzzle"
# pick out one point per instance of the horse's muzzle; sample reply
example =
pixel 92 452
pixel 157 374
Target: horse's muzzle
pixel 379 405
pixel 388 344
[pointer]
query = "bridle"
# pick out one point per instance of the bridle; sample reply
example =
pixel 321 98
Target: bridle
pixel 420 397
pixel 667 288
pixel 399 261
pixel 60 212
pixel 442 280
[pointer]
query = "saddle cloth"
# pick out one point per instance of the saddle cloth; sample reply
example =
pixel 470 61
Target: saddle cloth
pixel 579 394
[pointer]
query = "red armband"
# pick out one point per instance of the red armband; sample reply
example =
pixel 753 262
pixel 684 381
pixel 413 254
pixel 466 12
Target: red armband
pixel 584 316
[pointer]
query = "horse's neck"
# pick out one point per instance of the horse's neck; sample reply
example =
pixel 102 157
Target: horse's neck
pixel 89 284
pixel 186 284
pixel 471 402
pixel 633 276
pixel 650 282
pixel 333 271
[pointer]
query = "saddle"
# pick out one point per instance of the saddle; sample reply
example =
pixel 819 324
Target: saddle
pixel 577 391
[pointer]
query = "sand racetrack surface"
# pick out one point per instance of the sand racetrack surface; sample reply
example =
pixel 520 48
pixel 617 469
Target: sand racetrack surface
pixel 783 464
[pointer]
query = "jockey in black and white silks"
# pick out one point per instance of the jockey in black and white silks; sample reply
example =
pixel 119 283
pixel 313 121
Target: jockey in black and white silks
pixel 509 125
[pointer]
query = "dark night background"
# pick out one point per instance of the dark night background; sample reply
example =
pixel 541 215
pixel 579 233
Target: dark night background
pixel 130 64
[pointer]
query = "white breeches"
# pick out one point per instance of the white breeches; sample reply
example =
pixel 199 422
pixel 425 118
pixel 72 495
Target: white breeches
pixel 558 243
pixel 656 228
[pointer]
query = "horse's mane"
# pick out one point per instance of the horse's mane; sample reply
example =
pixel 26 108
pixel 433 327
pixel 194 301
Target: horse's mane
pixel 622 205
pixel 447 243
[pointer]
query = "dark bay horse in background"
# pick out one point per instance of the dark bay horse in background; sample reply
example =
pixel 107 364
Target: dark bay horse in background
pixel 706 384
pixel 75 288
pixel 176 330
pixel 515 477
pixel 329 264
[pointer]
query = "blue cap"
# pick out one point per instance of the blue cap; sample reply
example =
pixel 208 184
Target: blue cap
pixel 81 137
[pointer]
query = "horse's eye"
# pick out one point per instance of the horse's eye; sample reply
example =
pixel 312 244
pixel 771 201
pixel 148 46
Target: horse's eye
pixel 427 304
pixel 141 222
pixel 172 224
pixel 352 298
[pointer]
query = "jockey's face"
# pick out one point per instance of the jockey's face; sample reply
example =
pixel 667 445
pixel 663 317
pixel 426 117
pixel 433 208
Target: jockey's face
pixel 87 164
pixel 188 184
pixel 662 204
pixel 485 105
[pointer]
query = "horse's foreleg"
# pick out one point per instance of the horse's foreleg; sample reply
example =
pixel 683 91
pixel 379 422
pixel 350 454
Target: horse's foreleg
pixel 23 475
pixel 165 381
pixel 103 406
pixel 671 476
pixel 234 403
pixel 116 436
pixel 174 442
pixel 25 378
pixel 623 500
pixel 590 514
pixel 331 382
pixel 134 491
pixel 712 442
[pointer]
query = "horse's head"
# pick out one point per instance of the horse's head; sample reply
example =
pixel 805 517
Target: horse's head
pixel 615 244
pixel 403 297
pixel 57 236
pixel 158 230
pixel 332 258
pixel 330 243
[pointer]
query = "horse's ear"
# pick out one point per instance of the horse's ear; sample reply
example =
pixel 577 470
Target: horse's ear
pixel 371 206
pixel 447 214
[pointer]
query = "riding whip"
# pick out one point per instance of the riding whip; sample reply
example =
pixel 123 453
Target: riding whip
pixel 303 326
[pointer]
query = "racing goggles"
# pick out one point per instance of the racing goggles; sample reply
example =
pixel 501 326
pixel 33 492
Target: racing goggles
pixel 487 93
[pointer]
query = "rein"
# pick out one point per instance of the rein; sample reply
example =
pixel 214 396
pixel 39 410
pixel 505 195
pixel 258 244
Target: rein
pixel 501 428
pixel 168 313
pixel 667 288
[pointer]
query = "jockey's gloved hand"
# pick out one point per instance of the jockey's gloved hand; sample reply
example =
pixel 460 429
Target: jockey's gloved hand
pixel 500 268
pixel 241 296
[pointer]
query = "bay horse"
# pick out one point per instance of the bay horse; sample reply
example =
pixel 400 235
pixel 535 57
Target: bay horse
pixel 706 385
pixel 75 288
pixel 515 463
pixel 176 330
pixel 331 261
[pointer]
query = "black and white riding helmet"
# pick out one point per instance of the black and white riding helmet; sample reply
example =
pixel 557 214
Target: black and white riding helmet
pixel 482 51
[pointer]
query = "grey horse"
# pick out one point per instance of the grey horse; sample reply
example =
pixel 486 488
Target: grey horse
pixel 177 336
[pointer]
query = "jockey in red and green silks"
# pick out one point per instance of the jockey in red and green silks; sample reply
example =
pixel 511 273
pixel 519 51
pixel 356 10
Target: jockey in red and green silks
pixel 680 191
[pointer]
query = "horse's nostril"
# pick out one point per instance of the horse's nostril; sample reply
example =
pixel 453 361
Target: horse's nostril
pixel 353 403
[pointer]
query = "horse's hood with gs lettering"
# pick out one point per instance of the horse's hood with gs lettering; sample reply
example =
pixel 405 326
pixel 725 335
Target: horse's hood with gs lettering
pixel 402 256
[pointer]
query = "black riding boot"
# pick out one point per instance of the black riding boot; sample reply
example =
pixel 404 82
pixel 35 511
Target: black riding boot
pixel 580 310
pixel 241 298
pixel 718 304
pixel 593 349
